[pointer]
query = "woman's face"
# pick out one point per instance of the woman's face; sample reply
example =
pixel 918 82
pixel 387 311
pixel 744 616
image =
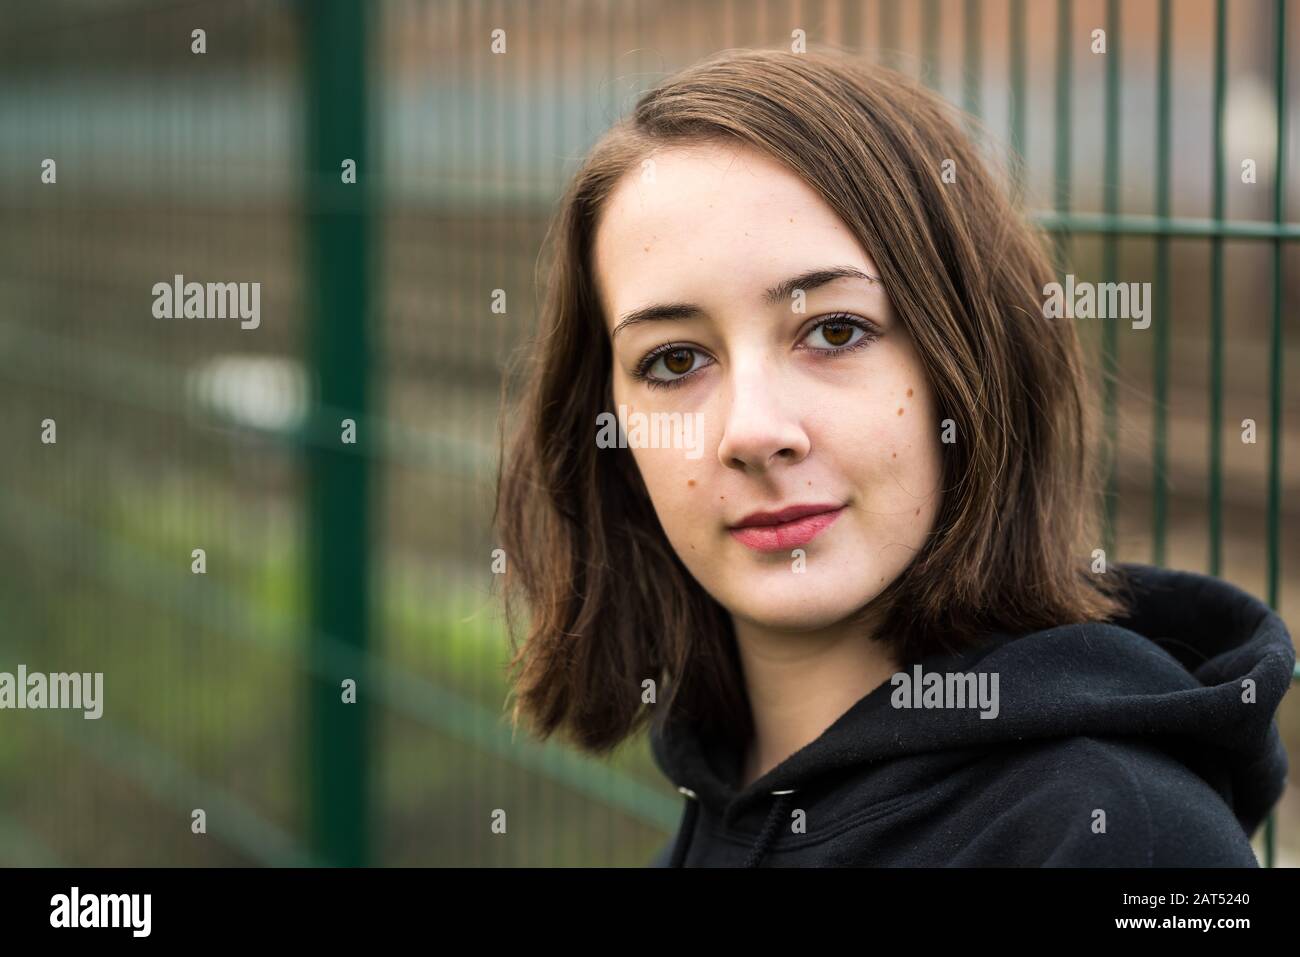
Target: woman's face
pixel 785 419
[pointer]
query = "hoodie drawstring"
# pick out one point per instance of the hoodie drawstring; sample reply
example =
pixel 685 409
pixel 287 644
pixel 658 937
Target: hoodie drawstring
pixel 762 843
pixel 770 826
pixel 687 830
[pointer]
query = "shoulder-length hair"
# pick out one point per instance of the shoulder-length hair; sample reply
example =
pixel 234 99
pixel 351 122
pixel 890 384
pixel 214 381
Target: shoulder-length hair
pixel 610 605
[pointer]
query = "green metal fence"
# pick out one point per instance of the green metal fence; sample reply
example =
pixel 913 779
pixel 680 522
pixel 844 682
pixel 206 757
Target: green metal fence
pixel 1111 226
pixel 330 561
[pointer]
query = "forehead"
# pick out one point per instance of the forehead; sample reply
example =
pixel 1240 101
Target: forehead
pixel 706 222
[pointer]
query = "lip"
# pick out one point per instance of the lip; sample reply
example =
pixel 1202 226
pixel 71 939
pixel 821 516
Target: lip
pixel 785 529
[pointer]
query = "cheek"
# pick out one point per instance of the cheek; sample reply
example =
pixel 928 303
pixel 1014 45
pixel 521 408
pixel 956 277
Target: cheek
pixel 889 445
pixel 885 420
pixel 676 478
pixel 910 432
pixel 678 493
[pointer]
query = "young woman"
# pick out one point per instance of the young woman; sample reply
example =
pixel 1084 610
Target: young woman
pixel 837 553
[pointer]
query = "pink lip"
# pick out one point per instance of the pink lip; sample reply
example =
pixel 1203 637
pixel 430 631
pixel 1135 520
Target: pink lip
pixel 786 529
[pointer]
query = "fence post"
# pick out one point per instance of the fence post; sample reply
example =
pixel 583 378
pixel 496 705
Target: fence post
pixel 338 300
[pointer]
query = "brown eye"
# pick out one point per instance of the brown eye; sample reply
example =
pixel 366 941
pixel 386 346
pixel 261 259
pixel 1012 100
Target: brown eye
pixel 672 366
pixel 837 333
pixel 678 361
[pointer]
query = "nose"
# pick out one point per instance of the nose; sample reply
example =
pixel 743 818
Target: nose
pixel 761 428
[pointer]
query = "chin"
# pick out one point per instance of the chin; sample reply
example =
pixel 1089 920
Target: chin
pixel 795 605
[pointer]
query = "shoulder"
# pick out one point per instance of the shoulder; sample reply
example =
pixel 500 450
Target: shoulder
pixel 1110 802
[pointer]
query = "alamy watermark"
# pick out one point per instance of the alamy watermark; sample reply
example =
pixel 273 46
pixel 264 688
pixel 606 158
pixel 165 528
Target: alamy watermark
pixel 651 430
pixel 75 909
pixel 949 689
pixel 1106 300
pixel 57 690
pixel 179 299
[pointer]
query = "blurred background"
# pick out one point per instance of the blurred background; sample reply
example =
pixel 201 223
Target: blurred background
pixel 372 560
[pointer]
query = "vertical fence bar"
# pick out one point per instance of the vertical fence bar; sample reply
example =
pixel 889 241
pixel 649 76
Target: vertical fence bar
pixel 1275 346
pixel 1017 110
pixel 1159 490
pixel 1275 363
pixel 972 62
pixel 930 43
pixel 1110 252
pixel 850 26
pixel 889 32
pixel 1061 192
pixel 338 290
pixel 1216 294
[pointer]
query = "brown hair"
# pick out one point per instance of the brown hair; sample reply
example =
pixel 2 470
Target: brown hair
pixel 611 605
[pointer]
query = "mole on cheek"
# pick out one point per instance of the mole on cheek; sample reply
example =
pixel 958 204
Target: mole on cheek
pixel 690 483
pixel 909 393
pixel 900 411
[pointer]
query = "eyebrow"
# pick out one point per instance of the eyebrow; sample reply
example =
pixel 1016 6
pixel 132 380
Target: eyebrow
pixel 806 281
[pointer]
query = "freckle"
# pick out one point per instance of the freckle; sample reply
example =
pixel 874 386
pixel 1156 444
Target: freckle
pixel 690 483
pixel 918 511
pixel 894 455
pixel 647 249
pixel 909 393
pixel 723 497
pixel 900 411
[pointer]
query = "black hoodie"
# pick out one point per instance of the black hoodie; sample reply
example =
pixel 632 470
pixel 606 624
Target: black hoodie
pixel 1146 742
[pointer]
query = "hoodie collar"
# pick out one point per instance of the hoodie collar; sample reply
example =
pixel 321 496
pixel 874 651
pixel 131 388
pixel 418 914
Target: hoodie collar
pixel 1177 665
pixel 868 731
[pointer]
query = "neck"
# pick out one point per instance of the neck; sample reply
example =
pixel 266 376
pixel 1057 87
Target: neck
pixel 799 683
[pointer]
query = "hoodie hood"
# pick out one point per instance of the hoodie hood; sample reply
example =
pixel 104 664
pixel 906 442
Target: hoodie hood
pixel 1178 672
